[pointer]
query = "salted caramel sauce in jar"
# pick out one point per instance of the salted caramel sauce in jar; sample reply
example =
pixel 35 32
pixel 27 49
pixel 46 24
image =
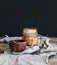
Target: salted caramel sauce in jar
pixel 30 35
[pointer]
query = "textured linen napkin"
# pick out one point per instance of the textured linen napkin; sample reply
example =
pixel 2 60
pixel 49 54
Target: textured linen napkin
pixel 27 59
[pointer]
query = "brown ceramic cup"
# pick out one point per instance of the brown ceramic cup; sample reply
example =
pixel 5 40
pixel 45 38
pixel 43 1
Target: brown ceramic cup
pixel 17 45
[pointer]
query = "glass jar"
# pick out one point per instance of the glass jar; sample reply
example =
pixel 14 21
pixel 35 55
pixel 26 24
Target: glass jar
pixel 30 35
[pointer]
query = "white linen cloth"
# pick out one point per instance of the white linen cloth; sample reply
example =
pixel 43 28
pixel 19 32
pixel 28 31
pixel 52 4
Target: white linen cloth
pixel 9 59
pixel 26 59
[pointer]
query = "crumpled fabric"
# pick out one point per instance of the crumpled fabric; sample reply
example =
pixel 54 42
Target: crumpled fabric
pixel 26 59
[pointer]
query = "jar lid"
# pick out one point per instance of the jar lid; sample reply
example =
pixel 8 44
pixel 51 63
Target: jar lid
pixel 29 30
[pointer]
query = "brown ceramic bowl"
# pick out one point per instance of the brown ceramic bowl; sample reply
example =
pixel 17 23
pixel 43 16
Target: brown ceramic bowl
pixel 17 45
